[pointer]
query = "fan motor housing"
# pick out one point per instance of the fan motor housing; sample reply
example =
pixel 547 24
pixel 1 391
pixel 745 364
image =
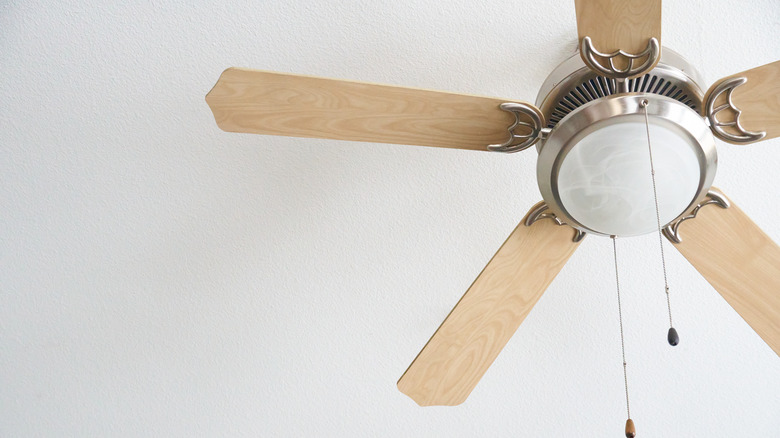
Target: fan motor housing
pixel 572 84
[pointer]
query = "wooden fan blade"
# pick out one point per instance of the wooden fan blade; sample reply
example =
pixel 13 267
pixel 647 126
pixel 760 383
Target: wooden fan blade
pixel 470 338
pixel 613 25
pixel 752 105
pixel 263 102
pixel 740 262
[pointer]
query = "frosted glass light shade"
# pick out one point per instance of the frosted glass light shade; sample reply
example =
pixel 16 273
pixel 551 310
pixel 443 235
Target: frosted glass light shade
pixel 605 181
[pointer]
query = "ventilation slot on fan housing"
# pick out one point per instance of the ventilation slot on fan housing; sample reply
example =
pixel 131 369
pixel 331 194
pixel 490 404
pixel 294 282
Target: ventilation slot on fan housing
pixel 600 86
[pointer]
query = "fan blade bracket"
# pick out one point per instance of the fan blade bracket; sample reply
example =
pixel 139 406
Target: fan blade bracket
pixel 620 65
pixel 720 99
pixel 713 197
pixel 744 107
pixel 529 121
pixel 542 211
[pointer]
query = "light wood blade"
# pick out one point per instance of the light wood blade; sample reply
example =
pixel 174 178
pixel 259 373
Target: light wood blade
pixel 741 262
pixel 476 330
pixel 758 100
pixel 614 25
pixel 263 102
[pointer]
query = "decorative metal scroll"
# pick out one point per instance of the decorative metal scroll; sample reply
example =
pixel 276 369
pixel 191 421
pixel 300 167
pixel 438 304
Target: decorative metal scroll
pixel 542 211
pixel 742 135
pixel 715 197
pixel 526 116
pixel 598 61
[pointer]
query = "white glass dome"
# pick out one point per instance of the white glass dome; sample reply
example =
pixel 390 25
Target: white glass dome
pixel 605 182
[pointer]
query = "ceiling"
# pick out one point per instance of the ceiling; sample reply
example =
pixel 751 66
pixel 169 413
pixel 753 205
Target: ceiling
pixel 163 278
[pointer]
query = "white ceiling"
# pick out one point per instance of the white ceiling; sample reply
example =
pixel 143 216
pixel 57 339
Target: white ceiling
pixel 160 277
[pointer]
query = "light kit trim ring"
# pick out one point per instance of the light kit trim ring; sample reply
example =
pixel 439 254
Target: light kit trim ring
pixel 579 160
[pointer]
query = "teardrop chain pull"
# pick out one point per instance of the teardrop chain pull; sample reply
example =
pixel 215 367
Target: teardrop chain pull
pixel 672 337
pixel 630 429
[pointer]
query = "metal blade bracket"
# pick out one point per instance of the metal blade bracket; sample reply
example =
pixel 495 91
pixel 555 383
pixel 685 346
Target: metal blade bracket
pixel 720 101
pixel 620 64
pixel 527 129
pixel 713 197
pixel 542 211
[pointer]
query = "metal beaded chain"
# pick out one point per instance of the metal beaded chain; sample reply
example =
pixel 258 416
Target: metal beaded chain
pixel 672 337
pixel 630 429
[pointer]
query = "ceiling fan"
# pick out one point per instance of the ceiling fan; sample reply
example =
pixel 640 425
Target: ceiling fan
pixel 588 124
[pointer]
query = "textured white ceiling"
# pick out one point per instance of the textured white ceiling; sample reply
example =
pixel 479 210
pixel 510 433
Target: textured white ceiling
pixel 159 277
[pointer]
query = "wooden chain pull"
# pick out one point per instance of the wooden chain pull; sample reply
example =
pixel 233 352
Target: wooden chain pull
pixel 630 429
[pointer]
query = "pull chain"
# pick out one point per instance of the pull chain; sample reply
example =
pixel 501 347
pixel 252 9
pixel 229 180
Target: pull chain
pixel 672 337
pixel 630 429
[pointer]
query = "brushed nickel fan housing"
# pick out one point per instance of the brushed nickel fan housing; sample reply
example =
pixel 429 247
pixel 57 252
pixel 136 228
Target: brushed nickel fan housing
pixel 594 168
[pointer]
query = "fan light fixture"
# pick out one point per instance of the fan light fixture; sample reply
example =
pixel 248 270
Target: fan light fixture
pixel 593 168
